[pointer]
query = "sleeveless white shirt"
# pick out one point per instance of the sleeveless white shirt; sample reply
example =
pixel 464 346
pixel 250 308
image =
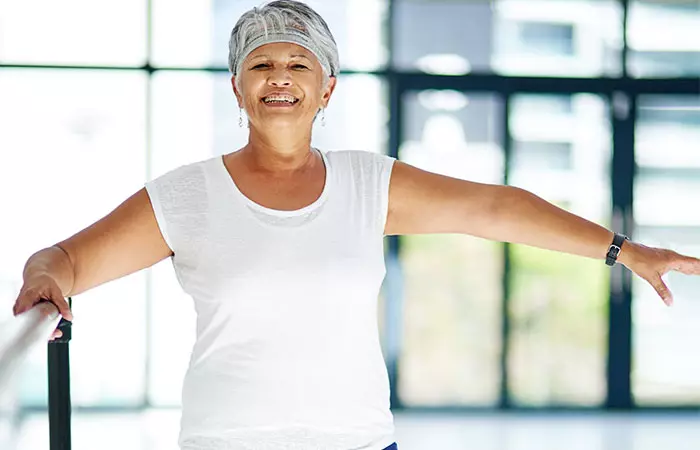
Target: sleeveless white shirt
pixel 287 354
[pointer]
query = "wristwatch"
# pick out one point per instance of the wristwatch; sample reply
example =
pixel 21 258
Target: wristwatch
pixel 614 249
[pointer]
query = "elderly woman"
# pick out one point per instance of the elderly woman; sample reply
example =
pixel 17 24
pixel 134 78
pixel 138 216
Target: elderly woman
pixel 280 246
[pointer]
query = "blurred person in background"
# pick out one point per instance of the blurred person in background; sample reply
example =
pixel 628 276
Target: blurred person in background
pixel 280 245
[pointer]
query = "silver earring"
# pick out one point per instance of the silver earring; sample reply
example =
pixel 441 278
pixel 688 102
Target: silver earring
pixel 323 117
pixel 240 117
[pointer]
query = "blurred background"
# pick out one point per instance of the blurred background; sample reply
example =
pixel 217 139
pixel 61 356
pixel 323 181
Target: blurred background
pixel 593 105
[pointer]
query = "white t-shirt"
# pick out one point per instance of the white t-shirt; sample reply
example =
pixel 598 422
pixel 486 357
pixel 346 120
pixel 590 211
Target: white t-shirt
pixel 287 354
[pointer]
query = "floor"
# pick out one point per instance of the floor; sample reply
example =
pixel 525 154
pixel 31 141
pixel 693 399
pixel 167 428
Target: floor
pixel 157 430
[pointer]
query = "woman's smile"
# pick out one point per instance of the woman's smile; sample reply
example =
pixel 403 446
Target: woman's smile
pixel 280 100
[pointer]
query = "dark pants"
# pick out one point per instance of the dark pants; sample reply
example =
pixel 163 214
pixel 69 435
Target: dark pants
pixel 392 447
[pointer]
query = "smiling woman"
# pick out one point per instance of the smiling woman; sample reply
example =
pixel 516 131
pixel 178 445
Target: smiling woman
pixel 282 77
pixel 288 359
pixel 282 56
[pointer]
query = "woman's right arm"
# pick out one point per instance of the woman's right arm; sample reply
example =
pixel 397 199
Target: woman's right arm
pixel 123 242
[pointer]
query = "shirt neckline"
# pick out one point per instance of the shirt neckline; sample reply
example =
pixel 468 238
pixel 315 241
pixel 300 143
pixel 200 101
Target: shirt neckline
pixel 279 212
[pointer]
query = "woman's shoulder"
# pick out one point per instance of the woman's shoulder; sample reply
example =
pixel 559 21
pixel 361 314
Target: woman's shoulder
pixel 350 152
pixel 361 157
pixel 184 186
pixel 185 173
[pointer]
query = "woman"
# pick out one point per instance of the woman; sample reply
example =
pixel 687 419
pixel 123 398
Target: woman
pixel 280 246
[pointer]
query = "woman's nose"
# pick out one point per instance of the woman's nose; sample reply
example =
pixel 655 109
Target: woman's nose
pixel 279 77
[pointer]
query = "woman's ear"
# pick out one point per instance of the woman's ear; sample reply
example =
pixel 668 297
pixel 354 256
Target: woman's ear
pixel 236 92
pixel 330 87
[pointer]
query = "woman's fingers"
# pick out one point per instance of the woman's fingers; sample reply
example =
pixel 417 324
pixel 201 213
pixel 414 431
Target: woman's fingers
pixel 688 265
pixel 660 287
pixel 62 305
pixel 654 266
pixel 55 298
pixel 41 288
pixel 55 335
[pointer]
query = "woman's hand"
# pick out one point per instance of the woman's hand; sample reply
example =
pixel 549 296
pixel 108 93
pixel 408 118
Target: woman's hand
pixel 38 288
pixel 652 263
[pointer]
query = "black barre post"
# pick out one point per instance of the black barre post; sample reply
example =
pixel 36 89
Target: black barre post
pixel 59 388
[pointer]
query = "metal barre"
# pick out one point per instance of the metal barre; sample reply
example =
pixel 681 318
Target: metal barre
pixel 26 331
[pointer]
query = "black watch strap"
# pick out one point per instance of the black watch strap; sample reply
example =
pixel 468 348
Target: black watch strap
pixel 614 249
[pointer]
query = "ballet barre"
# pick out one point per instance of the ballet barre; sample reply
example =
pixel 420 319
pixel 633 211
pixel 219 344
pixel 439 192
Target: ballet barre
pixel 23 333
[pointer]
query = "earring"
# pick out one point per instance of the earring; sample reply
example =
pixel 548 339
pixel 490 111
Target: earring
pixel 240 117
pixel 323 117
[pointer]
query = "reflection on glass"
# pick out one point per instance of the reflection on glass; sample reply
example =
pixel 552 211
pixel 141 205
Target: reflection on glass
pixel 511 37
pixel 561 153
pixel 73 150
pixel 663 38
pixel 452 288
pixel 195 117
pixel 196 34
pixel 666 196
pixel 75 32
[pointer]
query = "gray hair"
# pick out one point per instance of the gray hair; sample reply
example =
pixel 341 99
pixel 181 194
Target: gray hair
pixel 283 21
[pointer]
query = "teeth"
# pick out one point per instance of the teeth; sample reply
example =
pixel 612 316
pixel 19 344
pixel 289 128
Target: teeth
pixel 279 98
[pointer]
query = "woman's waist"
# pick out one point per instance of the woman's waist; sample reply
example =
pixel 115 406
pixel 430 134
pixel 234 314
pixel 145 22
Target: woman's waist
pixel 280 353
pixel 296 386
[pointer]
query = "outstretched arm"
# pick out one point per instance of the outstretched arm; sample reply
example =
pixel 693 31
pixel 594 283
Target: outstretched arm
pixel 422 202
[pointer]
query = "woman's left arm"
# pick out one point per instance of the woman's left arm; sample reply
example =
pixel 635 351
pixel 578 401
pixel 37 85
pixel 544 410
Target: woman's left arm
pixel 423 202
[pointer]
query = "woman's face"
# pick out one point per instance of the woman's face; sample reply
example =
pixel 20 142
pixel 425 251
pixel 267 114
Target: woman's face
pixel 282 84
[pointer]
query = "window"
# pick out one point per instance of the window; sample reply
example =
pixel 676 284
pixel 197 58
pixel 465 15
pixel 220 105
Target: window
pixel 665 198
pixel 511 37
pixel 558 302
pixel 75 32
pixel 663 38
pixel 73 145
pixel 452 288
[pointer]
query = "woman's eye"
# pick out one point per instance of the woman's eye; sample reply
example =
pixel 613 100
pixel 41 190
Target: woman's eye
pixel 265 65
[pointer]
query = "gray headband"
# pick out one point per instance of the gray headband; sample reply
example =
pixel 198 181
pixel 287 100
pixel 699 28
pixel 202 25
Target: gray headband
pixel 290 35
